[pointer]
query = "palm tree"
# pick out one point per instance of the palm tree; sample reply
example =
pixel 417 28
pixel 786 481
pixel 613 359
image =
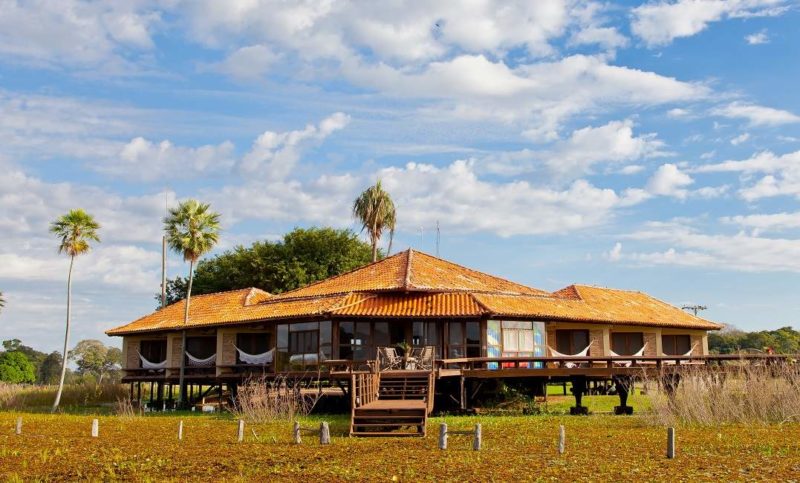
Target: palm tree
pixel 374 208
pixel 192 231
pixel 75 229
pixel 2 301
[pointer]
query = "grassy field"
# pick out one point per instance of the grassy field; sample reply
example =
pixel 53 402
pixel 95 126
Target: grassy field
pixel 599 447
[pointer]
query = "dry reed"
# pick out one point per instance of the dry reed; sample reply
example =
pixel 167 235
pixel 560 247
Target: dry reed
pixel 260 400
pixel 21 396
pixel 744 394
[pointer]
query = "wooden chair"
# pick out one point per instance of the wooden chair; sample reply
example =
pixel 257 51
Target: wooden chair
pixel 388 359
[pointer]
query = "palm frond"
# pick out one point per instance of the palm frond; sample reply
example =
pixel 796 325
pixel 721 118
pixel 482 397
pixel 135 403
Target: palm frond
pixel 192 229
pixel 375 210
pixel 75 230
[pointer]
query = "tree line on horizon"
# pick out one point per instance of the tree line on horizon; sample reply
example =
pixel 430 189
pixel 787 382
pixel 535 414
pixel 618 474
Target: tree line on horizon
pixel 95 362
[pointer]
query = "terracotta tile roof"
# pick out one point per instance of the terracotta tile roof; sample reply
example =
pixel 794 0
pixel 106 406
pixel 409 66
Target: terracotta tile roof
pixel 595 304
pixel 414 284
pixel 410 305
pixel 411 271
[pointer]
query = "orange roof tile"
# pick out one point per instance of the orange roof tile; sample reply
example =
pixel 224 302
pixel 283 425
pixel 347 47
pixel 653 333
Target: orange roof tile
pixel 410 305
pixel 411 271
pixel 414 284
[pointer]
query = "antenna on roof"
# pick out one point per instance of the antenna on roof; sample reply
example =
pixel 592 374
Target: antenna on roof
pixel 694 308
pixel 438 237
pixel 164 255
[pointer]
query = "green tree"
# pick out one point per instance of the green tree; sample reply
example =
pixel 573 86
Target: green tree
pixel 50 369
pixel 93 357
pixel 76 230
pixel 374 208
pixel 35 357
pixel 303 256
pixel 192 231
pixel 15 368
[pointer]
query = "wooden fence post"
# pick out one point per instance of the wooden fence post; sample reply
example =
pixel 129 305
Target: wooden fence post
pixel 562 439
pixel 180 430
pixel 476 442
pixel 240 434
pixel 324 433
pixel 19 425
pixel 670 443
pixel 443 436
pixel 296 431
pixel 95 428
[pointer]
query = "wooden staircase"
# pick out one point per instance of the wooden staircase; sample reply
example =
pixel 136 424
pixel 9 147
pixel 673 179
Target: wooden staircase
pixel 391 403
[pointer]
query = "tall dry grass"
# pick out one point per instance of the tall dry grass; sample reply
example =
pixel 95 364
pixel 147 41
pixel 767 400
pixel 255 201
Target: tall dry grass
pixel 20 396
pixel 746 394
pixel 260 400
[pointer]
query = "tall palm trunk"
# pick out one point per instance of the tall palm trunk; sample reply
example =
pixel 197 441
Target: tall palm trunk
pixel 182 390
pixel 374 250
pixel 66 336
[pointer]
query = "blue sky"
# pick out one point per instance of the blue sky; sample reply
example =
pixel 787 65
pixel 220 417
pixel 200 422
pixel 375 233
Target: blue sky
pixel 649 146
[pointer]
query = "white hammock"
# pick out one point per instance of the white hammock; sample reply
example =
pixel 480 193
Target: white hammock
pixel 256 359
pixel 672 363
pixel 639 353
pixel 571 365
pixel 195 362
pixel 152 365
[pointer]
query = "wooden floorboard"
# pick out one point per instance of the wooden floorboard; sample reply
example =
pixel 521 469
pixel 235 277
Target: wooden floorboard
pixel 395 404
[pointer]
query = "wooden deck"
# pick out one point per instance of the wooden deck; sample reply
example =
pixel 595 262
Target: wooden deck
pixel 391 403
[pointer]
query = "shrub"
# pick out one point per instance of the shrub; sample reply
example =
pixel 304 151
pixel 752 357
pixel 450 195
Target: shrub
pixel 15 368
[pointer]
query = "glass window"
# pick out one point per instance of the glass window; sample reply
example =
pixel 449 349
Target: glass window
pixel 464 339
pixel 473 333
pixel 523 339
pixel 252 343
pixel 675 345
pixel 627 343
pixel 381 334
pixel 456 333
pixel 571 342
pixel 154 351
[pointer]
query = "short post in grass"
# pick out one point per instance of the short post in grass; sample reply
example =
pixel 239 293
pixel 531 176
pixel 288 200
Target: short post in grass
pixel 240 434
pixel 443 436
pixel 95 428
pixel 180 430
pixel 476 441
pixel 296 433
pixel 324 433
pixel 670 443
pixel 562 439
pixel 19 425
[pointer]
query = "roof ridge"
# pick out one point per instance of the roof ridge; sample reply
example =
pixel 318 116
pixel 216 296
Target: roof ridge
pixel 407 280
pixel 362 267
pixel 472 270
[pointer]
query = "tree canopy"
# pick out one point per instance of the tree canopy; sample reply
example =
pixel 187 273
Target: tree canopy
pixel 15 368
pixel 93 357
pixel 374 209
pixel 785 340
pixel 303 256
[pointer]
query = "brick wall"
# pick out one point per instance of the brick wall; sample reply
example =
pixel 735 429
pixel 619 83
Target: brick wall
pixel 132 355
pixel 651 339
pixel 596 338
pixel 228 355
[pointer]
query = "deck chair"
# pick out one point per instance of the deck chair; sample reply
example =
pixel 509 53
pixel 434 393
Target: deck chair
pixel 388 358
pixel 570 365
pixel 425 358
pixel 639 353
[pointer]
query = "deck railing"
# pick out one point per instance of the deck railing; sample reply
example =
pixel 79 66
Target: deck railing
pixel 365 388
pixel 530 362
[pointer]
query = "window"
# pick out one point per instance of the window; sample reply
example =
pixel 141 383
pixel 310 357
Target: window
pixel 523 339
pixel 201 347
pixel 464 339
pixel 675 345
pixel 426 333
pixel 303 344
pixel 627 343
pixel 571 342
pixel 154 351
pixel 252 343
pixel 354 341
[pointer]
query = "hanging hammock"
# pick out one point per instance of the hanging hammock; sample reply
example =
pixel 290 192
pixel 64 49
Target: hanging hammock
pixel 640 353
pixel 255 359
pixel 688 354
pixel 152 365
pixel 195 362
pixel 571 365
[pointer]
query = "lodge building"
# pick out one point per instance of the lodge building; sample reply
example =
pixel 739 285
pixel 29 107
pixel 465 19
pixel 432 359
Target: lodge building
pixel 410 300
